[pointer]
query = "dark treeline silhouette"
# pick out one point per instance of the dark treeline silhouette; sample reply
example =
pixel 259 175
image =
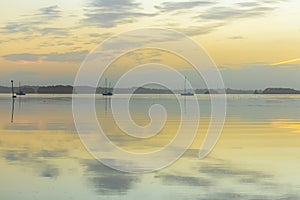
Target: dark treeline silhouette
pixel 68 89
pixel 5 89
pixel 280 91
pixel 58 89
pixel 141 90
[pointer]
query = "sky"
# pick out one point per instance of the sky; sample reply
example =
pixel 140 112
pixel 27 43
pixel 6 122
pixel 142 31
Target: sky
pixel 255 43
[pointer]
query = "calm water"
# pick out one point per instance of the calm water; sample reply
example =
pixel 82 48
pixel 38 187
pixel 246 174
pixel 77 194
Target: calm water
pixel 257 156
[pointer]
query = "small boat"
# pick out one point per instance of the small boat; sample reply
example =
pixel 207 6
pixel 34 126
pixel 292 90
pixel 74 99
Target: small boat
pixel 107 91
pixel 20 93
pixel 185 93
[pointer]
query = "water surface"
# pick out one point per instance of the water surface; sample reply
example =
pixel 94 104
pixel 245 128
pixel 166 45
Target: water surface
pixel 257 156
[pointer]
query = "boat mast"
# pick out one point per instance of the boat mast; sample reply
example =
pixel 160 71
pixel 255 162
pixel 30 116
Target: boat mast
pixel 109 87
pixel 184 89
pixel 105 90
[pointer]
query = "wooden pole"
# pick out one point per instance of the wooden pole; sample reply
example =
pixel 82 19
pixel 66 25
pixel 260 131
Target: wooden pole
pixel 12 89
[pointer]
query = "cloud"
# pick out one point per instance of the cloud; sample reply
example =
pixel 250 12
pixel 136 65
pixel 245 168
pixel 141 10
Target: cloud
pixel 200 30
pixel 240 10
pixel 172 6
pixel 109 14
pixel 54 31
pixel 24 56
pixel 67 57
pixel 226 13
pixel 98 35
pixel 75 56
pixel 273 1
pixel 248 4
pixel 236 37
pixel 116 5
pixel 35 22
pixel 207 16
pixel 51 12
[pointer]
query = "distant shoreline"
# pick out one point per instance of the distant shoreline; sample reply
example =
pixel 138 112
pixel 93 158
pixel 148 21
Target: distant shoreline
pixel 68 89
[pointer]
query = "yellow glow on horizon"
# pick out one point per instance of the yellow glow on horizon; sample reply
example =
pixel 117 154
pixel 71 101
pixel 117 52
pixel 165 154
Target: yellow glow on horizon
pixel 294 126
pixel 286 62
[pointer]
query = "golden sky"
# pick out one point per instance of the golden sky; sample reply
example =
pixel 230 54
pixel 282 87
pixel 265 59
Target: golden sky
pixel 44 42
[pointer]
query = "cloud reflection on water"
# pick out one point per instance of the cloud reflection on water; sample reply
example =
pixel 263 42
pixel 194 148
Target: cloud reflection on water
pixel 219 179
pixel 36 161
pixel 107 181
pixel 45 146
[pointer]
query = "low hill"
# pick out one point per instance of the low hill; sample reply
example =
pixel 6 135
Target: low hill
pixel 280 91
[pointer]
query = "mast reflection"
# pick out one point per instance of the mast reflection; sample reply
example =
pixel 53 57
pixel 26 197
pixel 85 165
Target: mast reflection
pixel 12 110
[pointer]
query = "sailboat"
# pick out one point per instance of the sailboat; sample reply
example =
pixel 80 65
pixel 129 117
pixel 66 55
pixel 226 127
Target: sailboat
pixel 107 91
pixel 20 93
pixel 185 93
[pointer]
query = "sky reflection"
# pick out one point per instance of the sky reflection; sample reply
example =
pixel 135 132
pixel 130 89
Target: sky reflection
pixel 42 157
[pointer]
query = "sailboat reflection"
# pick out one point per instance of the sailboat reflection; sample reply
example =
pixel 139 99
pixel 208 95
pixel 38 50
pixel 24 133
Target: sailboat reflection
pixel 107 100
pixel 184 104
pixel 20 102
